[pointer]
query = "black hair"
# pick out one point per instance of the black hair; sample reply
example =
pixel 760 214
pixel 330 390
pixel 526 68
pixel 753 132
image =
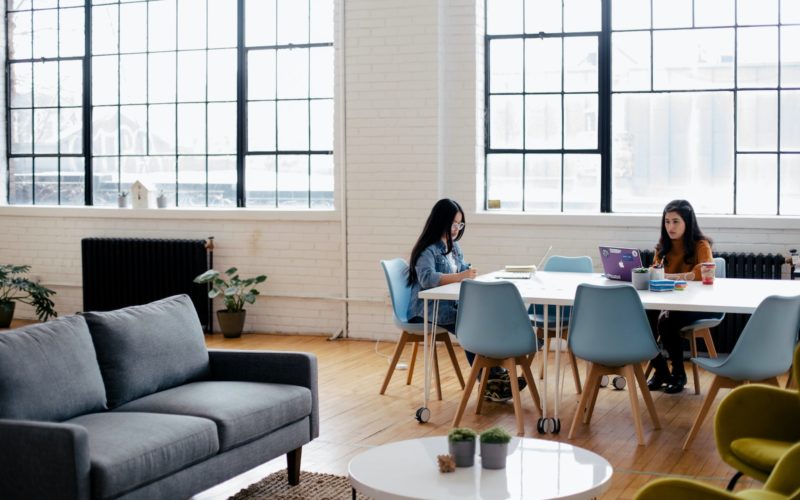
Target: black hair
pixel 691 235
pixel 438 224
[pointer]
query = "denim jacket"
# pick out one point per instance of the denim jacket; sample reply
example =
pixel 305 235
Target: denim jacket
pixel 432 263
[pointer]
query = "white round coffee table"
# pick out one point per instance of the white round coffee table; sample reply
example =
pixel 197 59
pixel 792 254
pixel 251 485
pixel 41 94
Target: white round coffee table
pixel 535 469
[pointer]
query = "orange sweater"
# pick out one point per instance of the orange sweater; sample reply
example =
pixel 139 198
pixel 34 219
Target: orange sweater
pixel 675 263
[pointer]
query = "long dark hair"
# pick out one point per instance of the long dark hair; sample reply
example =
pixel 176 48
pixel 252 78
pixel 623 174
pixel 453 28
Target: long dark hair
pixel 691 235
pixel 438 224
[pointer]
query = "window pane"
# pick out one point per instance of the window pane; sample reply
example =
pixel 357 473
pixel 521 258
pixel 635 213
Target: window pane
pixel 542 65
pixel 45 126
pixel 693 59
pixel 105 28
pixel 292 73
pixel 292 125
pixel 222 22
pixel 191 182
pixel 757 12
pixel 757 57
pixel 161 77
pixel 542 15
pixel 222 181
pixel 71 83
pixel 322 125
pixel 790 184
pixel 714 12
pixel 105 140
pixel 630 14
pixel 504 180
pixel 757 119
pixel 630 61
pixel 293 186
pixel 790 59
pixel 321 21
pixel 790 121
pixel 21 131
pixel 45 33
pixel 321 84
pixel 104 80
pixel 543 122
pixel 581 183
pixel 790 11
pixel 581 15
pixel 672 13
pixel 45 90
pixel 506 122
pixel 505 66
pixel 71 33
pixel 191 24
pixel 133 79
pixel 162 25
pixel 322 181
pixel 503 17
pixel 260 23
pixel 222 75
pixel 133 128
pixel 261 182
pixel 161 130
pixel 261 74
pixel 105 181
pixel 20 181
pixel 191 76
pixel 73 181
pixel 157 171
pixel 20 43
pixel 222 128
pixel 293 25
pixel 543 183
pixel 580 121
pixel 71 131
pixel 261 126
pixel 21 85
pixel 580 64
pixel 191 128
pixel 133 27
pixel 45 182
pixel 756 184
pixel 668 146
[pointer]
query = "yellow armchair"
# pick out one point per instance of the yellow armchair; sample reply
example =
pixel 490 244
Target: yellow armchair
pixel 783 483
pixel 755 425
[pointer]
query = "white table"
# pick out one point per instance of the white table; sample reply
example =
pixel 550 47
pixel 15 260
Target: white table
pixel 535 468
pixel 728 295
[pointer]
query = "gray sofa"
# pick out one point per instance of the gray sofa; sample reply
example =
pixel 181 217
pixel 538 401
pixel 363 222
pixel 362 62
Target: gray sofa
pixel 131 404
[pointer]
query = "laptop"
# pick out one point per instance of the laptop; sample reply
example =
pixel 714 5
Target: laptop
pixel 619 262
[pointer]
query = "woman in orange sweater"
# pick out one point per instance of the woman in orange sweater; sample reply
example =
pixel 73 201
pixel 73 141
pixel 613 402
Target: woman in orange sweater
pixel 681 250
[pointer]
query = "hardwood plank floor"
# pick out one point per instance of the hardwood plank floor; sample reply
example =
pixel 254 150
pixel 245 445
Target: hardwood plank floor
pixel 354 417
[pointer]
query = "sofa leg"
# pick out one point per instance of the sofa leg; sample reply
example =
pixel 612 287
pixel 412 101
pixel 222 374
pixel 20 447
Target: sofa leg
pixel 293 465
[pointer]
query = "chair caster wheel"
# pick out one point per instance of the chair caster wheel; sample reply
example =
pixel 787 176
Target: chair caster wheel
pixel 540 425
pixel 604 381
pixel 619 383
pixel 548 425
pixel 423 415
pixel 556 425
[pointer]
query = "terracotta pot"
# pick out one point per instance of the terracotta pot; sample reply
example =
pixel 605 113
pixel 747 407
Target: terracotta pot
pixel 6 313
pixel 231 323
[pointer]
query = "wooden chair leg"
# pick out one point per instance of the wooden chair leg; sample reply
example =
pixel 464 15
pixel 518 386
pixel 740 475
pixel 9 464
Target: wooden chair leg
pixel 772 381
pixel 648 369
pixel 695 374
pixel 452 353
pixel 637 417
pixel 511 366
pixel 594 390
pixel 646 396
pixel 398 350
pixel 412 363
pixel 705 333
pixel 486 365
pixel 591 378
pixel 576 376
pixel 791 382
pixel 436 371
pixel 525 363
pixel 716 385
pixel 473 374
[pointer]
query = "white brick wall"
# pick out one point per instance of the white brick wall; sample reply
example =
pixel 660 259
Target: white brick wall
pixel 411 98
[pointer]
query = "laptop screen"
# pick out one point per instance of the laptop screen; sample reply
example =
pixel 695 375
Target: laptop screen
pixel 619 262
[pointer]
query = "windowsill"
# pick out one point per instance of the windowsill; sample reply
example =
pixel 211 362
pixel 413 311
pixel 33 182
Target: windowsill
pixel 632 220
pixel 173 213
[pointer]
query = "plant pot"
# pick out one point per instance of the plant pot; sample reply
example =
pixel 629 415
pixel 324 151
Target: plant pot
pixel 122 201
pixel 6 313
pixel 231 323
pixel 463 452
pixel 493 455
pixel 161 201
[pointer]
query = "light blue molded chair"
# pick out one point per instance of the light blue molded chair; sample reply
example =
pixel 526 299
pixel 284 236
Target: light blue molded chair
pixel 492 323
pixel 763 351
pixel 609 329
pixel 559 264
pixel 396 271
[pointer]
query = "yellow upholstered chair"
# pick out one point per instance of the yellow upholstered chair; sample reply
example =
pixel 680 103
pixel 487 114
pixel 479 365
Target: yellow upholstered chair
pixel 783 483
pixel 756 424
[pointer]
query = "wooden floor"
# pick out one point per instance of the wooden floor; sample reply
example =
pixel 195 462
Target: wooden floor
pixel 354 417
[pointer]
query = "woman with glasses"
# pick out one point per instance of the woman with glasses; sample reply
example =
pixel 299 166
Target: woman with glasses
pixel 437 260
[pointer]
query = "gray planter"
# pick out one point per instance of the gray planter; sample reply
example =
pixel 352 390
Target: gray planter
pixel 231 323
pixel 122 201
pixel 161 201
pixel 493 455
pixel 463 452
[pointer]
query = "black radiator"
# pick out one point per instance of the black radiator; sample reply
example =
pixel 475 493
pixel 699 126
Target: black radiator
pixel 121 272
pixel 737 265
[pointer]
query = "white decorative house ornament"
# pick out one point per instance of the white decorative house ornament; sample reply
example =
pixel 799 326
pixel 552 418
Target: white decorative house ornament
pixel 143 195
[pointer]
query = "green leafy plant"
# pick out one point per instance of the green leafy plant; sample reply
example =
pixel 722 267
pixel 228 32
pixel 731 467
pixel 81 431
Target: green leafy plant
pixel 14 286
pixel 495 435
pixel 235 291
pixel 461 434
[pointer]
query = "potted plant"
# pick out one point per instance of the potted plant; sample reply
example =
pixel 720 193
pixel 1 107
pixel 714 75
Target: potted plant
pixel 494 448
pixel 14 286
pixel 161 201
pixel 236 292
pixel 461 445
pixel 122 199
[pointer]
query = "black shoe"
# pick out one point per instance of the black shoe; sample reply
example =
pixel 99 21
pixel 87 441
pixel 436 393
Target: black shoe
pixel 657 381
pixel 675 384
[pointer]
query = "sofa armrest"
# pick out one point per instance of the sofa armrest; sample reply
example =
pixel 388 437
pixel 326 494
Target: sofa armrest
pixel 43 460
pixel 291 368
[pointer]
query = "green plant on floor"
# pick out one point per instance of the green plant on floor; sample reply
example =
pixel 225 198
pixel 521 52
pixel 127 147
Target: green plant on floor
pixel 235 291
pixel 461 434
pixel 495 435
pixel 14 286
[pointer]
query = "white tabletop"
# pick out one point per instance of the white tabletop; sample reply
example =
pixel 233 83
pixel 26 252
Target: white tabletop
pixel 535 469
pixel 729 295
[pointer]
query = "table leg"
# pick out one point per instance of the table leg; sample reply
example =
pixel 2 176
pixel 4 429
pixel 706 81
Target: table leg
pixel 557 387
pixel 541 424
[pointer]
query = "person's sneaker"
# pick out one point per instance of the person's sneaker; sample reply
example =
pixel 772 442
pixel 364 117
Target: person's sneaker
pixel 506 379
pixel 497 391
pixel 675 383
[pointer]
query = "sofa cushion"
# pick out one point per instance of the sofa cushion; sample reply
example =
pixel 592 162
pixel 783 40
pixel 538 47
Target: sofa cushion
pixel 145 349
pixel 243 411
pixel 49 371
pixel 130 450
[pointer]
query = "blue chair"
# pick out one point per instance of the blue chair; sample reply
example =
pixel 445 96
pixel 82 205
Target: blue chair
pixel 763 351
pixel 609 329
pixel 492 322
pixel 559 264
pixel 396 271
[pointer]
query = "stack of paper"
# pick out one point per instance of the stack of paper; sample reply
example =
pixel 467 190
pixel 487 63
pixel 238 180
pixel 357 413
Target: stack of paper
pixel 521 269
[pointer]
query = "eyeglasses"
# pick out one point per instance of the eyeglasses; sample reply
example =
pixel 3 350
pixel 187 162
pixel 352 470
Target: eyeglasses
pixel 458 226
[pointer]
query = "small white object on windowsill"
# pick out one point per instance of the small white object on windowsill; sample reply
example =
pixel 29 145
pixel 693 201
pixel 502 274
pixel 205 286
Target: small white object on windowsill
pixel 143 194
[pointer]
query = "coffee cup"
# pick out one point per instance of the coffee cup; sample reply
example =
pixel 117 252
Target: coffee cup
pixel 640 278
pixel 707 272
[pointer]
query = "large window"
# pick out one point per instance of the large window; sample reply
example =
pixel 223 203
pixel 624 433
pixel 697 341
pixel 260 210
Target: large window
pixel 216 103
pixel 622 105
